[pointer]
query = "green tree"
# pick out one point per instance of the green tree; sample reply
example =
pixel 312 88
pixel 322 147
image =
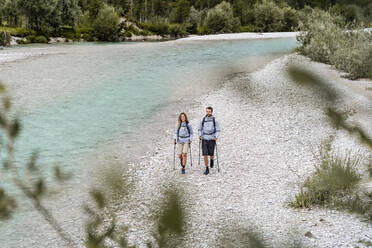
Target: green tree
pixel 10 12
pixel 94 6
pixel 181 11
pixel 269 17
pixel 40 15
pixel 70 12
pixel 106 25
pixel 220 19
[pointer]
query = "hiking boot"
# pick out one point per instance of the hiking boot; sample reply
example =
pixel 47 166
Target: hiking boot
pixel 211 162
pixel 183 170
pixel 206 172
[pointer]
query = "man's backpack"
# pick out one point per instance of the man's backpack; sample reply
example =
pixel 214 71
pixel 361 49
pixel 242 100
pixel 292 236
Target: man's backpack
pixel 214 125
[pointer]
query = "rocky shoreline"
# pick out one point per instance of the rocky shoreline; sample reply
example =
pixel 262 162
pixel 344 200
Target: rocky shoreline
pixel 140 38
pixel 268 124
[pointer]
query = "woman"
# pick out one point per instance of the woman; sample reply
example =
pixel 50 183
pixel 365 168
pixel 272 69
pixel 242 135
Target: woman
pixel 183 136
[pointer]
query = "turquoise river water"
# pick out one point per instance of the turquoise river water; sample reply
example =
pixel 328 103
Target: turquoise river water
pixel 74 98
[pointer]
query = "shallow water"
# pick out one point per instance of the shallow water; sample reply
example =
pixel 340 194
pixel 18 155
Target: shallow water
pixel 76 98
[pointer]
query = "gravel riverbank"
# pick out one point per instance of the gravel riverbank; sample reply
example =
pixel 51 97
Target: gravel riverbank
pixel 268 124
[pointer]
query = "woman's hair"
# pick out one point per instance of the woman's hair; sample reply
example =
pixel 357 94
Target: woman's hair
pixel 179 119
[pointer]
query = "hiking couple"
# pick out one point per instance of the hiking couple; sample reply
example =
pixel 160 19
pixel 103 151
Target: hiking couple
pixel 208 131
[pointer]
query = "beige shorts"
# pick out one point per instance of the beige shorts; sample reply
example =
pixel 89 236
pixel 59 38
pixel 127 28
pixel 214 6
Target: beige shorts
pixel 182 148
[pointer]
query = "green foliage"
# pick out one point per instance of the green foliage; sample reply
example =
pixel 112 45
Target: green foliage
pixel 247 28
pixel 181 11
pixel 7 205
pixel 171 221
pixel 32 183
pixel 18 32
pixel 324 38
pixel 236 237
pixel 94 7
pixel 4 38
pixel 268 16
pixel 159 28
pixel 36 39
pixel 203 30
pixel 177 30
pixel 106 25
pixel 11 13
pixel 220 19
pixel 191 28
pixel 335 177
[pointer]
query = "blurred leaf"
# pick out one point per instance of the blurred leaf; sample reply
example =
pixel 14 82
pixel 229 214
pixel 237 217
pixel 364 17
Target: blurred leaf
pixel 171 221
pixel 6 164
pixel 98 197
pixel 3 121
pixel 7 103
pixel 239 237
pixel 307 78
pixel 15 129
pixel 39 188
pixel 7 205
pixel 60 175
pixel 339 121
pixel 337 118
pixel 32 162
pixel 172 218
pixel 2 88
pixel 116 183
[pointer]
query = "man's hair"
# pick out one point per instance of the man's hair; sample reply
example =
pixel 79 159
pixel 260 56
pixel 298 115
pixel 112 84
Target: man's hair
pixel 210 108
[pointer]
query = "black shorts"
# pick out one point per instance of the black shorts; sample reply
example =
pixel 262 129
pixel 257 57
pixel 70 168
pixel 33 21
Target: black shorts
pixel 208 147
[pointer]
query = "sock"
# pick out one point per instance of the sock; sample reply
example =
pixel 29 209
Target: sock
pixel 212 162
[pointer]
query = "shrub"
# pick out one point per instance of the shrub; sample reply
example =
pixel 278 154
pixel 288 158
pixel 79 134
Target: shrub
pixel 106 25
pixel 291 19
pixel 335 177
pixel 247 28
pixel 324 38
pixel 35 39
pixel 319 35
pixel 192 28
pixel 177 30
pixel 4 38
pixel 354 54
pixel 268 16
pixel 220 19
pixel 86 33
pixel 23 41
pixel 145 32
pixel 181 11
pixel 202 30
pixel 160 28
pixel 69 33
pixel 40 39
pixel 127 34
pixel 18 32
pixel 131 28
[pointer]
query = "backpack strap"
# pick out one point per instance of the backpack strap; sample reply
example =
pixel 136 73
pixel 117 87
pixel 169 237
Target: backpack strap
pixel 188 128
pixel 214 125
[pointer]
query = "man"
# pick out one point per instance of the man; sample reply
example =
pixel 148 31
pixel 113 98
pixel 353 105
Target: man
pixel 209 130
